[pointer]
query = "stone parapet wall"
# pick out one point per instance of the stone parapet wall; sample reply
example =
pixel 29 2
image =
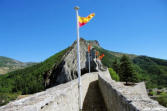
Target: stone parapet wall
pixel 63 97
pixel 118 97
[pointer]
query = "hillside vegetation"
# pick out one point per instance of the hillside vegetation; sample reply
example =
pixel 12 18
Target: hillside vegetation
pixel 151 70
pixel 29 80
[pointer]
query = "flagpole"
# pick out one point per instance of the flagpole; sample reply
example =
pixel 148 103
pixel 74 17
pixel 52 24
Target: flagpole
pixel 89 60
pixel 78 60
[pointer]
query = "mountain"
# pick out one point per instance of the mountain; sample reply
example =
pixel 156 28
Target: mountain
pixel 62 67
pixel 8 65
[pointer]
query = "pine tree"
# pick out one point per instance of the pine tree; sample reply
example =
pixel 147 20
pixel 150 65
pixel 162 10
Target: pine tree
pixel 116 66
pixel 127 72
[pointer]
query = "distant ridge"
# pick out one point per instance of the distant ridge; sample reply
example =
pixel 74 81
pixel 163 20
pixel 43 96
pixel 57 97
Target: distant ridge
pixel 9 64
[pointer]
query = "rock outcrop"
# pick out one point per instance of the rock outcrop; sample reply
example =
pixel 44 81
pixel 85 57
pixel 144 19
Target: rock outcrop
pixel 67 70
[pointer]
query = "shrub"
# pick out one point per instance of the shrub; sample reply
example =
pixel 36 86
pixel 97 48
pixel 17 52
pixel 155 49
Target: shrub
pixel 113 74
pixel 6 97
pixel 152 93
pixel 162 99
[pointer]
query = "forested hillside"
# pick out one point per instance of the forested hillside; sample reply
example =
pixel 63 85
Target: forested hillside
pixel 29 80
pixel 151 70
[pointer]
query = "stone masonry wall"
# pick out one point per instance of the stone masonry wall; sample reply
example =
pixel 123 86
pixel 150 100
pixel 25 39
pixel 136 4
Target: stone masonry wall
pixel 63 97
pixel 118 97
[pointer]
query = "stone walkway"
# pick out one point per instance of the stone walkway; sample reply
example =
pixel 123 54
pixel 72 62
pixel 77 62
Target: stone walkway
pixel 93 100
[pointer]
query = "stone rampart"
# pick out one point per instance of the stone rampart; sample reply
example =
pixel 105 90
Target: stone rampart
pixel 64 97
pixel 118 97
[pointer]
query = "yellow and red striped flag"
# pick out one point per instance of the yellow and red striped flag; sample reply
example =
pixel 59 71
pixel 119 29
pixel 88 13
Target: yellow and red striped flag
pixel 85 20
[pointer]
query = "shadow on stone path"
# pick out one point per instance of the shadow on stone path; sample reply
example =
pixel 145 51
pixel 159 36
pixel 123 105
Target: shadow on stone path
pixel 93 100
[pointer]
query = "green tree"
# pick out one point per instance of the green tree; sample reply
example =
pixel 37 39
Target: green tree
pixel 116 66
pixel 127 72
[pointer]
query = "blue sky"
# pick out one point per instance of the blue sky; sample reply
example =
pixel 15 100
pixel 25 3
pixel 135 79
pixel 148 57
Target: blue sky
pixel 33 30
